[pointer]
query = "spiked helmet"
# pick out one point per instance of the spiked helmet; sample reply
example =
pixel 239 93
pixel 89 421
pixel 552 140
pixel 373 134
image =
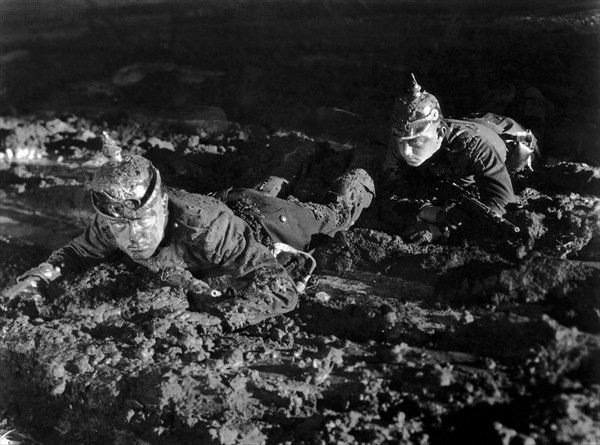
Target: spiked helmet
pixel 125 187
pixel 414 112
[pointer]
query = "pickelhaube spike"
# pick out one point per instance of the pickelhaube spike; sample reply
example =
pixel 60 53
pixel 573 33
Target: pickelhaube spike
pixel 416 88
pixel 110 149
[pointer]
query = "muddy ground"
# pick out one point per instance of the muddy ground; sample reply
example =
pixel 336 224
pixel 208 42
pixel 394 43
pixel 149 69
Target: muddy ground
pixel 488 340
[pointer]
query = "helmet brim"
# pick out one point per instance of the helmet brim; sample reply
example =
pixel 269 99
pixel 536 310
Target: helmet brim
pixel 411 131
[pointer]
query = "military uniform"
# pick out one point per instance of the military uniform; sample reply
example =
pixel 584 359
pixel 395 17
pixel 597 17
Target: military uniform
pixel 205 238
pixel 471 153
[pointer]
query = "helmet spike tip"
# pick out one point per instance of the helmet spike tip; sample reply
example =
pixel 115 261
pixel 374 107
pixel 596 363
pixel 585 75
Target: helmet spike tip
pixel 416 88
pixel 110 149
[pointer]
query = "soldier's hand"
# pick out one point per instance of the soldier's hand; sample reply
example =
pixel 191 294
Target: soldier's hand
pixel 452 218
pixel 422 233
pixel 33 287
pixel 200 293
pixel 429 213
pixel 26 297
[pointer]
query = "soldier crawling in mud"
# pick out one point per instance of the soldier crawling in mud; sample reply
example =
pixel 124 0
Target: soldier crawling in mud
pixel 354 190
pixel 184 237
pixel 429 155
pixel 430 160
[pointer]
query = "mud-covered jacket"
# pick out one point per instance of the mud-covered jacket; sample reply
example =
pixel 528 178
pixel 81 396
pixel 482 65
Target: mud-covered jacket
pixel 204 237
pixel 470 153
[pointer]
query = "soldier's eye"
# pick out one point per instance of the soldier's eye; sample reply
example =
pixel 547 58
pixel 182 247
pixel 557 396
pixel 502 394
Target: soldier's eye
pixel 119 226
pixel 147 223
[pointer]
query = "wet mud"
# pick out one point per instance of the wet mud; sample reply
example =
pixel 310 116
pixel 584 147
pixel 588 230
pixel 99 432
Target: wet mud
pixel 478 339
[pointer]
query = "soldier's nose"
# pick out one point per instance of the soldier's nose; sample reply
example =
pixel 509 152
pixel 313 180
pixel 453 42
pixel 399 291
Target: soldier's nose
pixel 134 233
pixel 406 149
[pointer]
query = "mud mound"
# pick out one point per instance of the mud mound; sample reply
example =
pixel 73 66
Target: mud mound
pixel 574 177
pixel 107 349
pixel 368 249
pixel 568 289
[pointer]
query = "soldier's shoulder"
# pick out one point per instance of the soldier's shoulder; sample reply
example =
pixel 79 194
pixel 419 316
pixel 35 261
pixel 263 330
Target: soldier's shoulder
pixel 188 205
pixel 466 136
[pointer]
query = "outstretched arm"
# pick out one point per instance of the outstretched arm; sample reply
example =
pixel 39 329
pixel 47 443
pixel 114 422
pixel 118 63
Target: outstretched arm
pixel 95 244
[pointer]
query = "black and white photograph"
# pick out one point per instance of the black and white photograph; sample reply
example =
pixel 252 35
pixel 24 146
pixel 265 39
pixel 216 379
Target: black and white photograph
pixel 299 222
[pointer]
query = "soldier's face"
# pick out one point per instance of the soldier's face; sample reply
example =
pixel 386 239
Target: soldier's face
pixel 416 150
pixel 139 238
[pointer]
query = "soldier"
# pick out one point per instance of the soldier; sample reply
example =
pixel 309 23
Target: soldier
pixel 425 147
pixel 184 237
pixel 352 192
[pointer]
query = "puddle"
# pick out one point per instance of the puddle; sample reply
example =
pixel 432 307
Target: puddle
pixel 36 229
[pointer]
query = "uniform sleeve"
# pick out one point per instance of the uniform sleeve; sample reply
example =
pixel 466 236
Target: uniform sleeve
pixel 264 287
pixel 95 244
pixel 492 178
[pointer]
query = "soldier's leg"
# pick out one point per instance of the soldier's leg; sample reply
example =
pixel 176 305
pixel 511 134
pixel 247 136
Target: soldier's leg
pixel 301 224
pixel 274 186
pixel 352 192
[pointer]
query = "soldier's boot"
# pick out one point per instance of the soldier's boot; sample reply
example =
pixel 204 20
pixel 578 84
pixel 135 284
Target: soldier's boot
pixel 352 192
pixel 274 186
